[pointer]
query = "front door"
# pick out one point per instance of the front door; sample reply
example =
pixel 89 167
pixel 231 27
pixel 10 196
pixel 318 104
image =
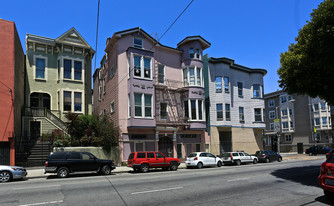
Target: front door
pixel 166 146
pixel 225 139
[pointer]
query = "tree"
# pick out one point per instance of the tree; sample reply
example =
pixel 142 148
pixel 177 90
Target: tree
pixel 307 68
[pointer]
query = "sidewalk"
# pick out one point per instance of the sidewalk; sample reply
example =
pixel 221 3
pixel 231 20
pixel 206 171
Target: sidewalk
pixel 38 172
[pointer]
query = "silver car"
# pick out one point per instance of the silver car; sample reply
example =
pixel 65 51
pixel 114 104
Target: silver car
pixel 201 159
pixel 8 173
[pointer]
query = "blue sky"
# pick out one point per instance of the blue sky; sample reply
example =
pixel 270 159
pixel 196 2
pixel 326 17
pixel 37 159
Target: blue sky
pixel 253 33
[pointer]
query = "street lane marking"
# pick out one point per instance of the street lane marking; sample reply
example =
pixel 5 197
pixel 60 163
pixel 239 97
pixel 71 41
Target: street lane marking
pixel 149 191
pixel 43 203
pixel 25 188
pixel 238 179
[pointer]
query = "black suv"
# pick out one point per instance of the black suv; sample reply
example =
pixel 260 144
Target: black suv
pixel 64 163
pixel 268 156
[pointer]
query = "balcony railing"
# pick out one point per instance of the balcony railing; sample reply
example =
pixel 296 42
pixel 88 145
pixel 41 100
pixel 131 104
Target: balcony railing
pixel 44 112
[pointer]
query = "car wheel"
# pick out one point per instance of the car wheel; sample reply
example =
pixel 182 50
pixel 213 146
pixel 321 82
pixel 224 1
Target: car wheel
pixel 219 164
pixel 63 172
pixel 254 161
pixel 279 159
pixel 238 162
pixel 5 176
pixel 267 160
pixel 329 194
pixel 310 154
pixel 106 170
pixel 199 165
pixel 173 166
pixel 144 168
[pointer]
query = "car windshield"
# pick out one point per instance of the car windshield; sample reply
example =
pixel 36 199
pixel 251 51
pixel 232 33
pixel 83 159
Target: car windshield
pixel 257 152
pixel 192 155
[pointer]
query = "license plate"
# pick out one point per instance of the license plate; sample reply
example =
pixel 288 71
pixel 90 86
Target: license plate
pixel 329 181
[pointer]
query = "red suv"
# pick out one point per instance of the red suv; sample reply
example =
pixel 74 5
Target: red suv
pixel 143 161
pixel 326 177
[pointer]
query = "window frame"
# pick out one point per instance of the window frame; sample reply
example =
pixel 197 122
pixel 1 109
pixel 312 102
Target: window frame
pixel 257 93
pixel 140 46
pixel 167 114
pixel 141 67
pixel 218 84
pixel 112 107
pixel 191 53
pixel 186 76
pixel 73 71
pixel 45 67
pixel 258 115
pixel 226 84
pixel 219 111
pixel 228 112
pixel 189 112
pixel 272 116
pixel 240 89
pixel 161 74
pixel 143 106
pixel 271 103
pixel 288 138
pixel 242 114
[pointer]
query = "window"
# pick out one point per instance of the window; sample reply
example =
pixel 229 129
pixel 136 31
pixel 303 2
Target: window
pixel 197 54
pixel 317 121
pixel 258 115
pixel 269 140
pixel 67 69
pixel 141 155
pixel 138 43
pixel 324 121
pixel 240 87
pixel 112 107
pixel 289 98
pixel 256 91
pixel 285 125
pixel 291 124
pixel 194 109
pixel 147 67
pixel 129 106
pixel 104 85
pixel 241 114
pixel 161 74
pixel 226 84
pixel 179 150
pixel 271 103
pixel 191 53
pixel 111 71
pixel 77 102
pixel 227 112
pixel 218 84
pixel 290 112
pixel 283 99
pixel 219 108
pixel 100 93
pixel 150 155
pixel 272 126
pixel 142 67
pixel 143 105
pixel 159 155
pixel 323 106
pixel 40 68
pixel 192 76
pixel 77 70
pixel 284 112
pixel 288 138
pixel 272 115
pixel 163 110
pixel 137 69
pixel 316 107
pixel 58 67
pixel 67 101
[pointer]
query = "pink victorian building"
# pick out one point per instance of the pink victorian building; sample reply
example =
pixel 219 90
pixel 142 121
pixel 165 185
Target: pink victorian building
pixel 153 93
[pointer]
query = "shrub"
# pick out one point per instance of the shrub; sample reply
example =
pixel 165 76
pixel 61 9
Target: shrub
pixel 85 141
pixel 97 141
pixel 75 143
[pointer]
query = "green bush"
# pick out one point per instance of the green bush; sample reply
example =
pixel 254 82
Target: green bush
pixel 75 143
pixel 97 141
pixel 85 141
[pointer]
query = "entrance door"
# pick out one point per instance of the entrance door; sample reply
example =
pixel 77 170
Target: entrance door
pixel 35 129
pixel 4 153
pixel 225 139
pixel 166 146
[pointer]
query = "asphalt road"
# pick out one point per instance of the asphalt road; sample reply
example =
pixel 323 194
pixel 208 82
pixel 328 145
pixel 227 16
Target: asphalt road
pixel 285 183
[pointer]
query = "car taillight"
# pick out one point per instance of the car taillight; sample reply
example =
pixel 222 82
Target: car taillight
pixel 231 157
pixel 263 155
pixel 195 158
pixel 46 163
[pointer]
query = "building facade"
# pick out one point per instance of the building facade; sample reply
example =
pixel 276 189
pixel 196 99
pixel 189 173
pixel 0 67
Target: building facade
pixel 153 93
pixel 304 122
pixel 58 81
pixel 11 90
pixel 236 105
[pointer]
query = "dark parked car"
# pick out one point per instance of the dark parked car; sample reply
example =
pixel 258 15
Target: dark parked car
pixel 268 156
pixel 326 177
pixel 317 150
pixel 64 163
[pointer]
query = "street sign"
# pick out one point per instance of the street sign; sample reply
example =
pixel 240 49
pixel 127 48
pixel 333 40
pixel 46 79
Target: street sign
pixel 277 126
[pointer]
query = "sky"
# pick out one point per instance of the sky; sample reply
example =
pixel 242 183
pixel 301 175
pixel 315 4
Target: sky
pixel 253 33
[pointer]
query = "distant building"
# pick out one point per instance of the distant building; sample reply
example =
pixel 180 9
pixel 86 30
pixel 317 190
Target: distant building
pixel 11 90
pixel 153 93
pixel 236 105
pixel 304 121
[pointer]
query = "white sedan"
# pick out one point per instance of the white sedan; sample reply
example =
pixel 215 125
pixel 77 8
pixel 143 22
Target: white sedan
pixel 8 173
pixel 202 159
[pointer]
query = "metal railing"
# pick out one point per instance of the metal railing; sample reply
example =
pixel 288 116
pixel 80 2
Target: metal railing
pixel 44 112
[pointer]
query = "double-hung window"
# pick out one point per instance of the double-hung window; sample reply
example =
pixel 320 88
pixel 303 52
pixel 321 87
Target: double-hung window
pixel 257 115
pixel 198 75
pixel 241 114
pixel 284 112
pixel 137 69
pixel 272 115
pixel 77 70
pixel 67 69
pixel 194 109
pixel 219 108
pixel 161 74
pixel 324 121
pixel 256 91
pixel 283 99
pixel 163 110
pixel 240 87
pixel 316 107
pixel 271 103
pixel 143 105
pixel 147 67
pixel 226 84
pixel 323 106
pixel 272 126
pixel 227 112
pixel 197 54
pixel 142 67
pixel 111 71
pixel 285 125
pixel 218 84
pixel 192 76
pixel 77 101
pixel 191 53
pixel 138 43
pixel 317 121
pixel 288 138
pixel 40 68
pixel 67 101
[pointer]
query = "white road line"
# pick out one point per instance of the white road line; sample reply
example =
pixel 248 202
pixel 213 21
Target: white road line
pixel 43 203
pixel 237 179
pixel 28 188
pixel 149 191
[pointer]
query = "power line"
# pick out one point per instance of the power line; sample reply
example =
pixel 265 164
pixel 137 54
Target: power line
pixel 97 31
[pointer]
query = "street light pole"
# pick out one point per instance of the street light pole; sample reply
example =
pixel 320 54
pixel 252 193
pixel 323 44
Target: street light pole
pixel 279 131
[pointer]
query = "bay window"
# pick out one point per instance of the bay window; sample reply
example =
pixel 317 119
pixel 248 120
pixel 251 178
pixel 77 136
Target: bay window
pixel 142 67
pixel 143 105
pixel 192 76
pixel 194 109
